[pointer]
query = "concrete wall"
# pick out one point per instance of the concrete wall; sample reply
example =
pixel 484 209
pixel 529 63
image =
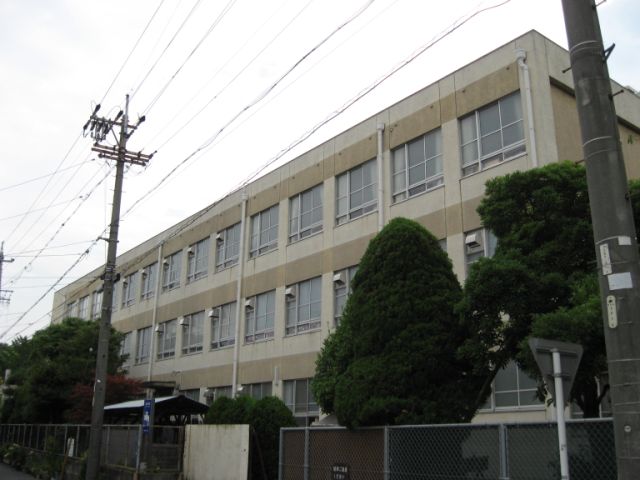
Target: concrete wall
pixel 216 451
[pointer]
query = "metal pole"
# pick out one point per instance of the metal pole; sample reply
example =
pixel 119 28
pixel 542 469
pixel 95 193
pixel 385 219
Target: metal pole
pixel 562 429
pixel 239 308
pixel 99 391
pixel 613 227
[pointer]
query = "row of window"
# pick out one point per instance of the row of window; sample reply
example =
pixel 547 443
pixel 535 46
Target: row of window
pixel 302 308
pixel 302 312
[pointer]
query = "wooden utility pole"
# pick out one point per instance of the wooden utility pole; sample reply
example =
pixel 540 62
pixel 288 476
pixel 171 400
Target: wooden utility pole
pixel 613 227
pixel 99 129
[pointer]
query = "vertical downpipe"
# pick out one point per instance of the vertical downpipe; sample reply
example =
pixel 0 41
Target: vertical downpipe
pixel 521 56
pixel 379 158
pixel 236 344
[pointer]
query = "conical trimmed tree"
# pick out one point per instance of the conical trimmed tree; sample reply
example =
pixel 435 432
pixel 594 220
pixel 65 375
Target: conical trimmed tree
pixel 395 359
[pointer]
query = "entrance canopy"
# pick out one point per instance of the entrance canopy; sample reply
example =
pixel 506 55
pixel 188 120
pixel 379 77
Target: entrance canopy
pixel 173 410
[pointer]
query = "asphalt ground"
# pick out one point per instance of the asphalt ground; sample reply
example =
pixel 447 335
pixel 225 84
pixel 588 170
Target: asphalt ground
pixel 8 473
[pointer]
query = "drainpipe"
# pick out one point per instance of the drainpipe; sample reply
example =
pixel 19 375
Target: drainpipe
pixel 521 56
pixel 236 344
pixel 380 174
pixel 154 318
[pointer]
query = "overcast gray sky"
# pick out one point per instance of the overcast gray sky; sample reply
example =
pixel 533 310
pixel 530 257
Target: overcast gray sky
pixel 197 65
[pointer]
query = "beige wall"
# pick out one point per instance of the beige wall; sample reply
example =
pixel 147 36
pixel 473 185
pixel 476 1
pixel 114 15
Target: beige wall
pixel 216 451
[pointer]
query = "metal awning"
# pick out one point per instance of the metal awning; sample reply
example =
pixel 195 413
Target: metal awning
pixel 168 410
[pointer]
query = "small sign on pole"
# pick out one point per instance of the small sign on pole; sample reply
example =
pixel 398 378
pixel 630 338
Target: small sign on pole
pixel 339 471
pixel 146 415
pixel 558 362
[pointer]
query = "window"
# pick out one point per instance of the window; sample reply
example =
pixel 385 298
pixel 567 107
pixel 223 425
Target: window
pixel 72 309
pixel 305 213
pixel 192 394
pixel 264 231
pixel 303 306
pixel 192 329
pixel 417 166
pixel 96 304
pixel 299 397
pixel 492 134
pixel 166 339
pixel 356 192
pixel 125 347
pixel 260 313
pixel 513 388
pixel 341 290
pixel 228 242
pixel 257 390
pixel 129 289
pixel 171 271
pixel 479 243
pixel 198 260
pixel 143 345
pixel 214 393
pixel 223 325
pixel 83 307
pixel 149 274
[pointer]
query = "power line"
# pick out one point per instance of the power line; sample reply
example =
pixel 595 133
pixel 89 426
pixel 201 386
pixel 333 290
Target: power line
pixel 52 248
pixel 35 179
pixel 131 51
pixel 65 202
pixel 215 23
pixel 193 9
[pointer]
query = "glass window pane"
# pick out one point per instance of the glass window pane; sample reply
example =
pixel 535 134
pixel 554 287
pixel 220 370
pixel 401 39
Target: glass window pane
pixel 416 152
pixel 511 109
pixel 469 153
pixel 508 399
pixel 416 174
pixel 434 166
pixel 433 144
pixel 506 379
pixel 491 143
pixel 355 199
pixel 369 172
pixel 468 129
pixel 355 179
pixel 489 119
pixel 398 160
pixel 399 183
pixel 513 134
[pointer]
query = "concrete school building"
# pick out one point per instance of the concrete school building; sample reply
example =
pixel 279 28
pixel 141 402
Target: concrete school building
pixel 242 294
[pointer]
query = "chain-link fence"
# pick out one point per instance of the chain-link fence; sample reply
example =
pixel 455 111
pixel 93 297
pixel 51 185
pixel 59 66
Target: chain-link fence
pixel 448 452
pixel 121 444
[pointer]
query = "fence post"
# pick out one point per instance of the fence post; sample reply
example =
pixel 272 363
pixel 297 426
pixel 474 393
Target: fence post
pixel 280 454
pixel 306 453
pixel 386 453
pixel 503 440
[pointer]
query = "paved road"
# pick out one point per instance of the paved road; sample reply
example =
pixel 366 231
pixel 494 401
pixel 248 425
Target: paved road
pixel 8 473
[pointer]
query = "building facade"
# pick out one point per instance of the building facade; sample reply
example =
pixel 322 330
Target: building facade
pixel 241 295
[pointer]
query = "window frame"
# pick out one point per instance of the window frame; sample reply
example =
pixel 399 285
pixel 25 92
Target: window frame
pixel 486 249
pixel 491 403
pixel 426 184
pixel 342 289
pixel 96 304
pixel 256 245
pixel 225 317
pixel 297 231
pixel 297 306
pixel 192 338
pixel 143 345
pixel 198 260
pixel 166 339
pixel 483 160
pixel 353 212
pixel 148 281
pixel 252 319
pixel 172 267
pixel 83 307
pixel 125 348
pixel 290 390
pixel 129 289
pixel 228 247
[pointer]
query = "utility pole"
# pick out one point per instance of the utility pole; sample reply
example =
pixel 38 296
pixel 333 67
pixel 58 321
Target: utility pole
pixel 5 295
pixel 99 129
pixel 613 226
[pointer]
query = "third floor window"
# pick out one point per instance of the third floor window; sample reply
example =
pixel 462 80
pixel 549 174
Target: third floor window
pixel 417 166
pixel 264 231
pixel 305 213
pixel 356 192
pixel 198 260
pixel 171 271
pixel 228 247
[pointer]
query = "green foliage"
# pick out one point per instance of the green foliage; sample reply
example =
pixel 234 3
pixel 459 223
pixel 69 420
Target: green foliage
pixel 541 280
pixel 395 357
pixel 266 417
pixel 228 411
pixel 46 368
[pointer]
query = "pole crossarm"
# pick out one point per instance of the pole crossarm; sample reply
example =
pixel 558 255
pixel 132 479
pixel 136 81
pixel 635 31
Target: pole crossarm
pixel 116 153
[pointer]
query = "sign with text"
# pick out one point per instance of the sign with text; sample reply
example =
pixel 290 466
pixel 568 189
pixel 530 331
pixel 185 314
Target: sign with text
pixel 146 415
pixel 339 471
